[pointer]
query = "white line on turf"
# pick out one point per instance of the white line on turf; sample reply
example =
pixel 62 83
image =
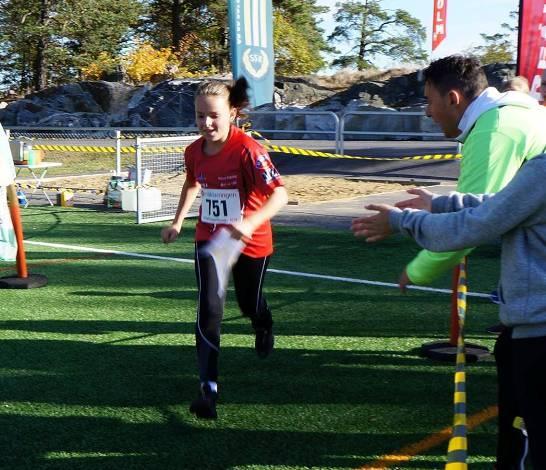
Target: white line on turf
pixel 276 271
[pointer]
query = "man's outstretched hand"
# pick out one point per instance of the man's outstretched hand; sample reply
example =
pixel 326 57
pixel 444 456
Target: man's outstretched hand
pixel 373 227
pixel 423 201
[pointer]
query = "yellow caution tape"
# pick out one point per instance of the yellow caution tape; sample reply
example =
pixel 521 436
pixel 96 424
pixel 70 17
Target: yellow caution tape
pixel 315 153
pixel 267 144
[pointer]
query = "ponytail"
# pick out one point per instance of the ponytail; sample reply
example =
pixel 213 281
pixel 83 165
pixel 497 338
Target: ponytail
pixel 236 93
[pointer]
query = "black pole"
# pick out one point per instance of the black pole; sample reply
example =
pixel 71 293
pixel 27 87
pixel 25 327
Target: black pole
pixel 519 48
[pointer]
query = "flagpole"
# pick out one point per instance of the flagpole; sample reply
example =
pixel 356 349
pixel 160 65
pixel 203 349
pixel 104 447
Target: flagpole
pixel 520 27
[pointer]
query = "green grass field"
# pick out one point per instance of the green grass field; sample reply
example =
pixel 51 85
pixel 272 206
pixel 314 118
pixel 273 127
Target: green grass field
pixel 98 368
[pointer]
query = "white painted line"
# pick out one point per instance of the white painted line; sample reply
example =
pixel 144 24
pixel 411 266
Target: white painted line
pixel 370 283
pixel 108 252
pixel 276 271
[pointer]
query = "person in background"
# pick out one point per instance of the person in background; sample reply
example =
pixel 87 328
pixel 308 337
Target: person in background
pixel 241 190
pixel 516 214
pixel 517 83
pixel 499 133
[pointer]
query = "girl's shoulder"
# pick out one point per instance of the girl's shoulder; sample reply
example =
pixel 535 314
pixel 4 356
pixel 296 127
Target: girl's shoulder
pixel 248 143
pixel 195 145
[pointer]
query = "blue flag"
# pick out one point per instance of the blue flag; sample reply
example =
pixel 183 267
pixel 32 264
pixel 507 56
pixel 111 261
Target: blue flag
pixel 251 41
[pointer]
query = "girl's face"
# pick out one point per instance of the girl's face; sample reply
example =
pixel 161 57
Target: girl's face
pixel 213 116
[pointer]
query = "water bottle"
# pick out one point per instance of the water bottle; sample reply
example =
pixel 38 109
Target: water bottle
pixel 22 198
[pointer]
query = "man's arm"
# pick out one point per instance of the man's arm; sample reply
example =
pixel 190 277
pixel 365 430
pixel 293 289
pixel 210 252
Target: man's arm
pixel 490 161
pixel 477 224
pixel 482 218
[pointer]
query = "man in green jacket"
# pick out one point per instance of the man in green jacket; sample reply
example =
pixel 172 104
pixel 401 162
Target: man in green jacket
pixel 499 132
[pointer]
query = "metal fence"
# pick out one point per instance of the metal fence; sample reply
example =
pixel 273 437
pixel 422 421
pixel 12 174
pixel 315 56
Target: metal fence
pixel 279 124
pixel 311 125
pixel 119 138
pixel 63 133
pixel 356 125
pixel 162 157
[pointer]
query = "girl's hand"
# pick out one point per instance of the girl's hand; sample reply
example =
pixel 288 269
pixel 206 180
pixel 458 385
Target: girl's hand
pixel 242 230
pixel 169 234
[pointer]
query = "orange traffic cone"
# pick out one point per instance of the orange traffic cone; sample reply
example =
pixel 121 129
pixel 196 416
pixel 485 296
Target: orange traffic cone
pixel 23 280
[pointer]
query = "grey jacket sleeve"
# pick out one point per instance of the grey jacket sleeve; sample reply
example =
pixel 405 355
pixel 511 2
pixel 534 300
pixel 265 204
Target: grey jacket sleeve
pixel 480 219
pixel 457 201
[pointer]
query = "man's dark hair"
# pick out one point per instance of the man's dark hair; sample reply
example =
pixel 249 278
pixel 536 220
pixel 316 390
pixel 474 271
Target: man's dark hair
pixel 459 73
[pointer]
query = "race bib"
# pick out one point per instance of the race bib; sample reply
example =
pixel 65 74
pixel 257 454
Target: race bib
pixel 220 206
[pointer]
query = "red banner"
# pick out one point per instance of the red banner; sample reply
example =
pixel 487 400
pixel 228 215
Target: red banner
pixel 532 43
pixel 439 30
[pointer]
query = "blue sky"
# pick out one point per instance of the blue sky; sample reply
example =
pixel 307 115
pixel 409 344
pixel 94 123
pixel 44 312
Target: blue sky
pixel 466 19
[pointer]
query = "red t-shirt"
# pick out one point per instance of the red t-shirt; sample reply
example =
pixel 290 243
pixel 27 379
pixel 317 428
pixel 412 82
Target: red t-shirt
pixel 235 181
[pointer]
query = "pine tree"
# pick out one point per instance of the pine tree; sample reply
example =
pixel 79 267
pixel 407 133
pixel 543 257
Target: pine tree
pixel 299 39
pixel 45 42
pixel 204 23
pixel 374 32
pixel 499 47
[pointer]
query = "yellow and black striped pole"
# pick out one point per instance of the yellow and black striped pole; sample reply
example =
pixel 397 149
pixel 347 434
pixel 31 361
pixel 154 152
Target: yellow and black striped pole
pixel 457 451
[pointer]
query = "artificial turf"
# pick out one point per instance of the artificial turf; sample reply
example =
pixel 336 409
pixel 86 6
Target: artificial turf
pixel 98 367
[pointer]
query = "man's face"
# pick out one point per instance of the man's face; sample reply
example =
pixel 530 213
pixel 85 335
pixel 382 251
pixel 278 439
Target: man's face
pixel 445 110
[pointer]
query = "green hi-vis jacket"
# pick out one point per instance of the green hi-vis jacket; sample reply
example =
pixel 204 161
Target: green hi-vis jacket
pixel 500 131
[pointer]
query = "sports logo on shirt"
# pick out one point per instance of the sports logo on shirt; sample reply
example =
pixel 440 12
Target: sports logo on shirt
pixel 263 162
pixel 201 179
pixel 270 174
pixel 267 170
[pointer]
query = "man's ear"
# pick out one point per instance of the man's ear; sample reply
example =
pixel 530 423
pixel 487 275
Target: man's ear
pixel 455 97
pixel 233 114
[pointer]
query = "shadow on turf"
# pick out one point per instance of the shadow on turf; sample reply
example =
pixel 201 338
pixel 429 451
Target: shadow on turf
pixel 233 324
pixel 106 374
pixel 175 294
pixel 146 389
pixel 133 380
pixel 178 445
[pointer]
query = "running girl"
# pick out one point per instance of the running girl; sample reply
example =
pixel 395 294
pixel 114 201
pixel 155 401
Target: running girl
pixel 241 191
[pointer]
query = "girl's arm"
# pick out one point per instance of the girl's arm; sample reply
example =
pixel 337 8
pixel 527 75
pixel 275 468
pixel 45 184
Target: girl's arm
pixel 277 200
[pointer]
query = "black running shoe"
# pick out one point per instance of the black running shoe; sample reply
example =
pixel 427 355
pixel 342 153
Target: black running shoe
pixel 205 405
pixel 264 341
